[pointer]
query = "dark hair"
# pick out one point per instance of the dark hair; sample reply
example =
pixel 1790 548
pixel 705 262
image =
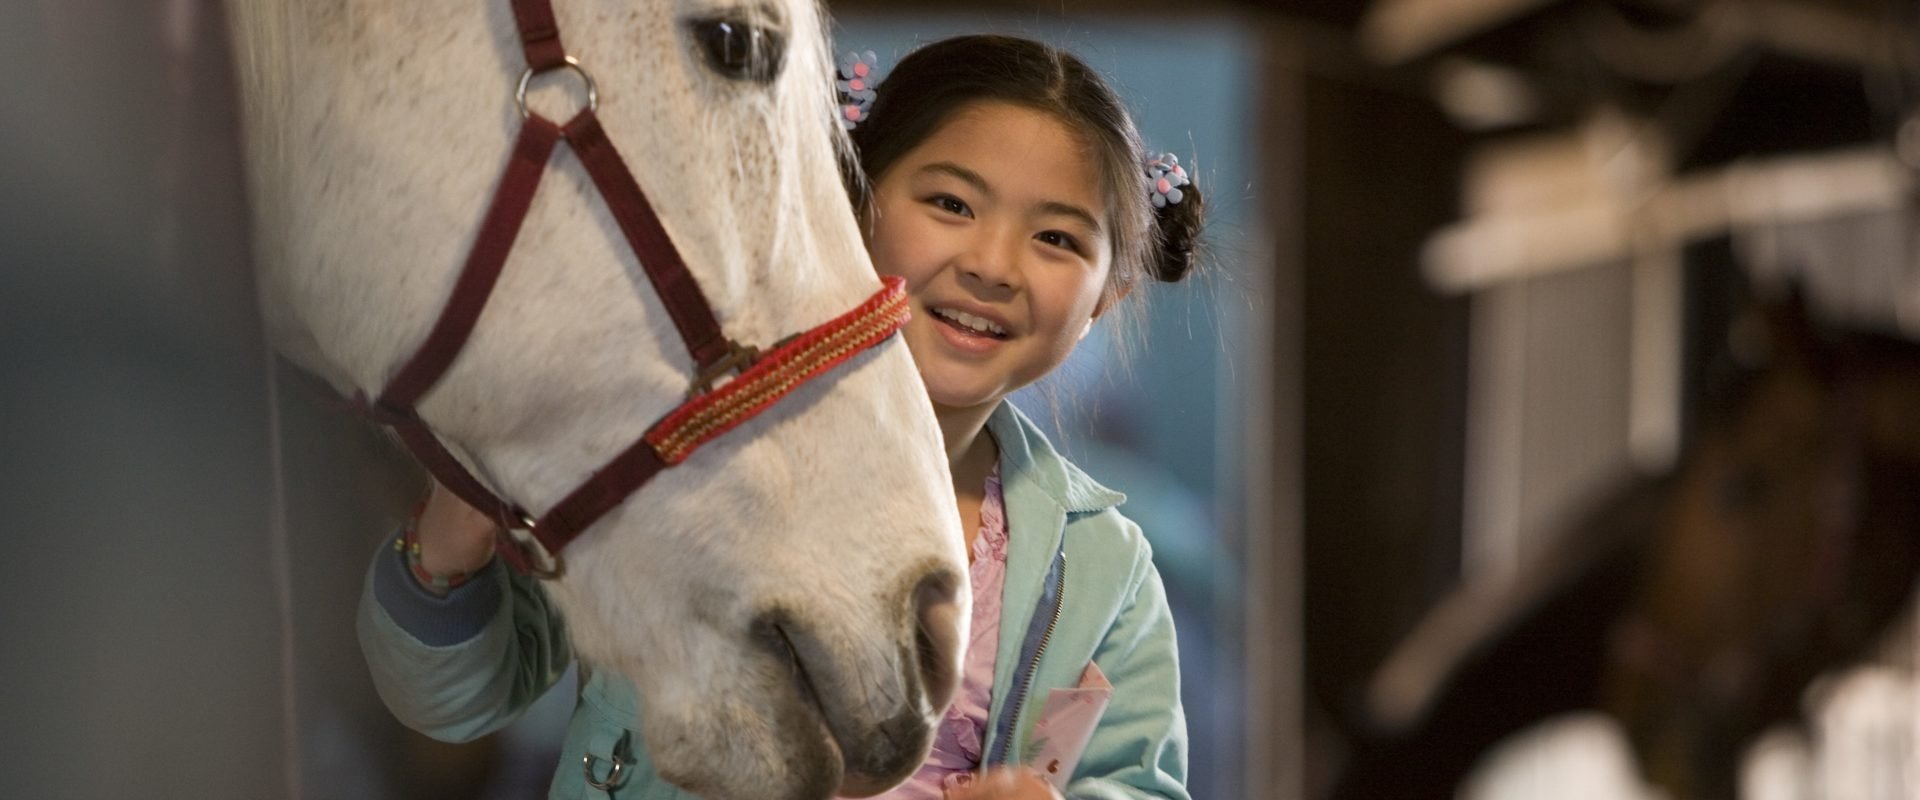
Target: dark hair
pixel 928 86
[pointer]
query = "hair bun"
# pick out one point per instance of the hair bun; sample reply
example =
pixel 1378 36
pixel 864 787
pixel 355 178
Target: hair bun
pixel 1177 229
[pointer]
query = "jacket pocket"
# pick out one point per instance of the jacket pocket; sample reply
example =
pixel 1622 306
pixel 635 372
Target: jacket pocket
pixel 605 759
pixel 1066 724
pixel 597 762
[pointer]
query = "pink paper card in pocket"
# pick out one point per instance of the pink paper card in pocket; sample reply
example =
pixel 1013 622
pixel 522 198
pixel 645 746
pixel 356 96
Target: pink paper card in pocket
pixel 1066 725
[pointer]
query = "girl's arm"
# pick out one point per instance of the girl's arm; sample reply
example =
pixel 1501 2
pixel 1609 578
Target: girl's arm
pixel 1139 749
pixel 462 663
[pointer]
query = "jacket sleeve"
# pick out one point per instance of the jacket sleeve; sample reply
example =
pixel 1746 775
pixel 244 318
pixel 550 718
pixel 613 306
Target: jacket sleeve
pixel 459 666
pixel 1139 749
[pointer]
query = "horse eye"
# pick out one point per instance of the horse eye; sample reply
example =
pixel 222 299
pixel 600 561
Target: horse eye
pixel 741 50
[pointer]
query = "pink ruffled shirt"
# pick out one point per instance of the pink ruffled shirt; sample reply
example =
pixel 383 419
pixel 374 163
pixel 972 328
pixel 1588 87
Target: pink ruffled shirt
pixel 957 746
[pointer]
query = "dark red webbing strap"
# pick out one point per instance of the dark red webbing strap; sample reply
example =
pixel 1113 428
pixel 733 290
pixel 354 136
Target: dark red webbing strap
pixel 605 490
pixel 539 34
pixel 668 273
pixel 448 470
pixel 511 200
pixel 504 217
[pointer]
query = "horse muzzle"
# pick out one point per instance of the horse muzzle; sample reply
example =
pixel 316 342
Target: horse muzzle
pixel 882 726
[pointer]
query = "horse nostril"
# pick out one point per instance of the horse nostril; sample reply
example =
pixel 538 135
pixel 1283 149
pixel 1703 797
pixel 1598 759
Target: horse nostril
pixel 937 637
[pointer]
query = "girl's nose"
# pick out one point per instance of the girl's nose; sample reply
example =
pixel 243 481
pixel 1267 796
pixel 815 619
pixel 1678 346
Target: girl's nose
pixel 994 262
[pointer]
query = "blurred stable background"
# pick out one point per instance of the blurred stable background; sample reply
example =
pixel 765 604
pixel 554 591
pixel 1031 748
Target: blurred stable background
pixel 1547 423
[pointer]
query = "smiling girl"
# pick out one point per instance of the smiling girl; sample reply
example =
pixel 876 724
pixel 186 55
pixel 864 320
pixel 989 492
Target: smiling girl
pixel 1004 181
pixel 1011 191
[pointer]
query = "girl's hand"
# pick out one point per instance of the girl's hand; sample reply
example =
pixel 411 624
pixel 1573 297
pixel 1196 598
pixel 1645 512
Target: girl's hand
pixel 1001 783
pixel 454 538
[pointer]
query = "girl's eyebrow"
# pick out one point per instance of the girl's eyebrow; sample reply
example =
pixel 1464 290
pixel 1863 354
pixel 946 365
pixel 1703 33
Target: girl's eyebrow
pixel 1049 207
pixel 1081 215
pixel 964 174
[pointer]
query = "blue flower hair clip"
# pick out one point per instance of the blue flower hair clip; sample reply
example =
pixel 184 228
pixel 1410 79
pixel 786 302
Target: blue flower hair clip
pixel 1165 176
pixel 857 79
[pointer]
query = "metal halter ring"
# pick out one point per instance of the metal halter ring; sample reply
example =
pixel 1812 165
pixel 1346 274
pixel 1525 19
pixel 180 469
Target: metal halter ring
pixel 568 62
pixel 615 776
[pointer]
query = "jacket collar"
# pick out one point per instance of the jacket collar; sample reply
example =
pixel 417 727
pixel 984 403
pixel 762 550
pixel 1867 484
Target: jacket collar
pixel 1027 456
pixel 1042 491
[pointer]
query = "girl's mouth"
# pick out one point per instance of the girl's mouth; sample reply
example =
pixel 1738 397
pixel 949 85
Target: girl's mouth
pixel 967 324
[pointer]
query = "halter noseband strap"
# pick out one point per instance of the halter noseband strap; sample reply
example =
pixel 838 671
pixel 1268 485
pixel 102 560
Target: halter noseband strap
pixel 760 379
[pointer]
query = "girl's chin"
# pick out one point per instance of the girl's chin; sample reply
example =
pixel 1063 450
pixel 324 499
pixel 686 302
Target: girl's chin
pixel 947 398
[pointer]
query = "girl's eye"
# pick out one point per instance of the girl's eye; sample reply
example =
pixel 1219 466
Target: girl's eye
pixel 951 205
pixel 1058 239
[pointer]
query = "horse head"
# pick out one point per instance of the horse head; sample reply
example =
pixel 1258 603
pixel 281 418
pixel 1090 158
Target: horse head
pixel 789 603
pixel 1786 545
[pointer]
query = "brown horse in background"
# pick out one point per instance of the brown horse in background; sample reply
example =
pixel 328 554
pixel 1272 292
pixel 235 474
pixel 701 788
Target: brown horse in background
pixel 1695 608
pixel 1790 540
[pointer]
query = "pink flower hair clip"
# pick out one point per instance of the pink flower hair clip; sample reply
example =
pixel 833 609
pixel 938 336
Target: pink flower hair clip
pixel 857 79
pixel 1165 176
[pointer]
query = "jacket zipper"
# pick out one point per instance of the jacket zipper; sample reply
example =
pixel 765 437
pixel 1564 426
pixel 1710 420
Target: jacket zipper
pixel 1026 682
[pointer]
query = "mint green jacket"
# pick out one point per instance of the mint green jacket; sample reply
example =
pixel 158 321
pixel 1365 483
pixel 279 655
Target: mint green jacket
pixel 462 666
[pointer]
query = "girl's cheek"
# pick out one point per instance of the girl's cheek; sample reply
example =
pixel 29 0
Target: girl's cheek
pixel 886 260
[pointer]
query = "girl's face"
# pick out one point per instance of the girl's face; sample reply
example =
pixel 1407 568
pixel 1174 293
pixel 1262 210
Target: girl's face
pixel 998 224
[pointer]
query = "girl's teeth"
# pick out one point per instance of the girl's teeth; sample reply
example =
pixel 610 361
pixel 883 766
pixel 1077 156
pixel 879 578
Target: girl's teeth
pixel 967 320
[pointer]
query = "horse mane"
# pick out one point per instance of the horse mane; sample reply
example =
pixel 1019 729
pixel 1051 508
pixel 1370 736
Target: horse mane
pixel 816 60
pixel 821 53
pixel 263 37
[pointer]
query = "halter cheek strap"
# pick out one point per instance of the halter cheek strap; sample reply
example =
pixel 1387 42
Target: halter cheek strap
pixel 760 380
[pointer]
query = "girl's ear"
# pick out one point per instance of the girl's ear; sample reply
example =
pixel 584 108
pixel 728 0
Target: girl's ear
pixel 1111 298
pixel 1108 300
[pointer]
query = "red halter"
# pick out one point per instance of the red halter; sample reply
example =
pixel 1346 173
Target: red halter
pixel 759 380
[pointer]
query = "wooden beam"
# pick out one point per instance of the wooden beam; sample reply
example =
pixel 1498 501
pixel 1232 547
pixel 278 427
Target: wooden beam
pixel 1397 31
pixel 1593 229
pixel 1821 32
pixel 1274 407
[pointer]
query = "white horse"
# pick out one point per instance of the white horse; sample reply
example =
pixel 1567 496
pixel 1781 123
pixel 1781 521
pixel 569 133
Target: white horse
pixel 790 602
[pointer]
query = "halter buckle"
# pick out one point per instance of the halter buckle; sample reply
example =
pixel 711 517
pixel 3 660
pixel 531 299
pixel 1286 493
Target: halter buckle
pixel 738 359
pixel 524 552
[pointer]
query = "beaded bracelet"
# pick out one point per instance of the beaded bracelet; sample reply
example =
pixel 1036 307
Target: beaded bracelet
pixel 409 545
